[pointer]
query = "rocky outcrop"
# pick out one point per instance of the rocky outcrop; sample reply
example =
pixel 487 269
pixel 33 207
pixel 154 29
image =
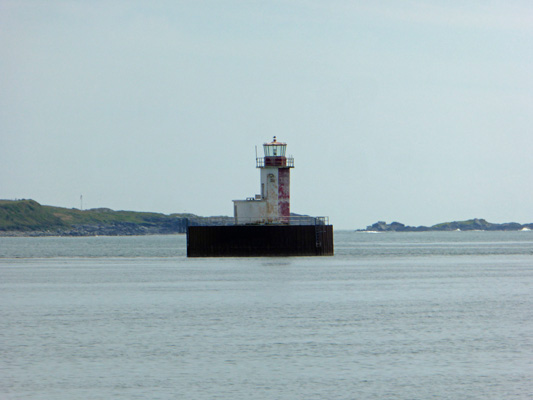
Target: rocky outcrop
pixel 126 229
pixel 113 229
pixel 469 225
pixel 382 226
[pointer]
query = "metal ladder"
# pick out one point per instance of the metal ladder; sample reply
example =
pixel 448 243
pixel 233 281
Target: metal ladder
pixel 319 232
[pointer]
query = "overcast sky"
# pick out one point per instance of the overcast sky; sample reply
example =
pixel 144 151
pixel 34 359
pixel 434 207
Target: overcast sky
pixel 415 111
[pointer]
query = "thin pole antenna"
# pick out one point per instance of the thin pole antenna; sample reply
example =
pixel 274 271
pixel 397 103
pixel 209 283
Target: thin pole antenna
pixel 81 202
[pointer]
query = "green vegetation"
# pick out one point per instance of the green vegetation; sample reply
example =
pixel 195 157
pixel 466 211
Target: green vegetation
pixel 27 215
pixel 30 216
pixel 471 224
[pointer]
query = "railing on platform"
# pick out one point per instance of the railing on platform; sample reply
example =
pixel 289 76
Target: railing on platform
pixel 292 220
pixel 289 162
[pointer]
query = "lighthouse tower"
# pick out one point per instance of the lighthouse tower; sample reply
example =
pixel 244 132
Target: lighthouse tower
pixel 272 206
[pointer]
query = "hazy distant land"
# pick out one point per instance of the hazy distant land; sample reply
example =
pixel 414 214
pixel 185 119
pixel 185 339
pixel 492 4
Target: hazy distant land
pixel 29 218
pixel 475 224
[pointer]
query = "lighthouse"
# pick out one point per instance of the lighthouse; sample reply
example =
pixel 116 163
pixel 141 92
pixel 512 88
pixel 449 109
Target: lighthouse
pixel 263 225
pixel 273 204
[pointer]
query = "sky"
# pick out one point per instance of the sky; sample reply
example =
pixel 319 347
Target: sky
pixel 419 112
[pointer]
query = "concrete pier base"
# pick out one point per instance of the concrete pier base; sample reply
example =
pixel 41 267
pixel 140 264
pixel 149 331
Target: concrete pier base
pixel 259 240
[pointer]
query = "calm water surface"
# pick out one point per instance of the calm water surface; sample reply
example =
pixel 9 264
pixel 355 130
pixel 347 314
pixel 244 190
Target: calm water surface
pixel 390 316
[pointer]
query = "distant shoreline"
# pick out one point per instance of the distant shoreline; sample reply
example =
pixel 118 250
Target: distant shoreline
pixel 475 224
pixel 28 218
pixel 36 234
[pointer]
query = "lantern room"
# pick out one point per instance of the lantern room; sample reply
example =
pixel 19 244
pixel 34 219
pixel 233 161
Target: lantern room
pixel 275 148
pixel 274 154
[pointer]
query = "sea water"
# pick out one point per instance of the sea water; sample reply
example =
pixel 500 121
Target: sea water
pixel 390 316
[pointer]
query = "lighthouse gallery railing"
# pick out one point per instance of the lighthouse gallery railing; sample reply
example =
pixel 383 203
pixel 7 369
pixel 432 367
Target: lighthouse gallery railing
pixel 293 220
pixel 283 162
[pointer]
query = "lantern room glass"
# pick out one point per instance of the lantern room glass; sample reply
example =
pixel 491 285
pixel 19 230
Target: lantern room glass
pixel 275 150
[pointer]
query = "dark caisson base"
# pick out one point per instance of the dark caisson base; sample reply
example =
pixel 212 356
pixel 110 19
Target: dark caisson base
pixel 259 240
